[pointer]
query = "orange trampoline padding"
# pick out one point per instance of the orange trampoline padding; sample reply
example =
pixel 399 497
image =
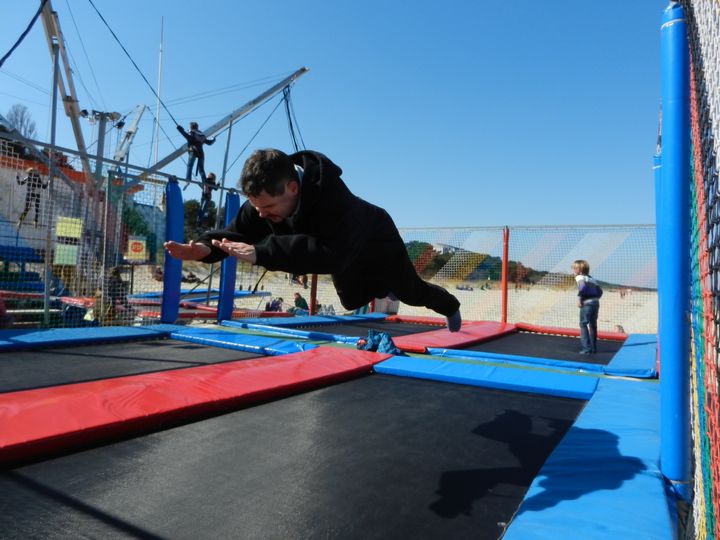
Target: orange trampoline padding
pixel 37 422
pixel 417 319
pixel 471 332
pixel 569 332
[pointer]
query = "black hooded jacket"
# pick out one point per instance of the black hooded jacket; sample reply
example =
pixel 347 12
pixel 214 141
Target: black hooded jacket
pixel 329 230
pixel 195 140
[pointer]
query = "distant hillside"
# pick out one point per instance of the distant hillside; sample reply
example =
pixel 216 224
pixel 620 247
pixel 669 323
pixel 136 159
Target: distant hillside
pixel 460 264
pixel 456 264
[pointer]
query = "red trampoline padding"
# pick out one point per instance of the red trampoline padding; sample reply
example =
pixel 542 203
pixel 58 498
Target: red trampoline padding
pixel 473 332
pixel 569 332
pixel 34 423
pixel 417 319
pixel 202 312
pixel 238 313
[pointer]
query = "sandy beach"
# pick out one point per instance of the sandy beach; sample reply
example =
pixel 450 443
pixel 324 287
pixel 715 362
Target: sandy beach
pixel 635 311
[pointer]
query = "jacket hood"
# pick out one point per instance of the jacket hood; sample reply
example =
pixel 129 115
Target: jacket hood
pixel 316 165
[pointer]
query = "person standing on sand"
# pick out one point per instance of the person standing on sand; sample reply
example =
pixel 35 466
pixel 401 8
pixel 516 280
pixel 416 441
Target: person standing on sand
pixel 589 293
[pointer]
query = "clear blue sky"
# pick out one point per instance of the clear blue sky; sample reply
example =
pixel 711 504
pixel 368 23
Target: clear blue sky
pixel 459 113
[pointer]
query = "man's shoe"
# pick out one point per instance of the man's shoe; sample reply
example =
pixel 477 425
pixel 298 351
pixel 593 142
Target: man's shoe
pixel 454 321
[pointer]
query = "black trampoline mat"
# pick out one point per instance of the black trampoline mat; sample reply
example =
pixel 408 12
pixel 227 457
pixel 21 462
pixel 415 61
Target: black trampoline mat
pixel 376 457
pixel 548 346
pixel 50 366
pixel 360 328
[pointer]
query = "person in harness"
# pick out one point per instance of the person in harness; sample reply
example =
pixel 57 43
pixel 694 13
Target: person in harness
pixel 34 183
pixel 209 185
pixel 195 141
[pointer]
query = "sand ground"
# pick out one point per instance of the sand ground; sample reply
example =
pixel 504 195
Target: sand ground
pixel 635 311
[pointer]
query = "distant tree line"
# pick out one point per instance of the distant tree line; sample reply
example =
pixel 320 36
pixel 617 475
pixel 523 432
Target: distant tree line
pixel 429 261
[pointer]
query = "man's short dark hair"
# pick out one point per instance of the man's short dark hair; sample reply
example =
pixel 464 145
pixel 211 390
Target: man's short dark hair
pixel 266 170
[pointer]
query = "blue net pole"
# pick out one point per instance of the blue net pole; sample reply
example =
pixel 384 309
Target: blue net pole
pixel 673 225
pixel 172 268
pixel 228 267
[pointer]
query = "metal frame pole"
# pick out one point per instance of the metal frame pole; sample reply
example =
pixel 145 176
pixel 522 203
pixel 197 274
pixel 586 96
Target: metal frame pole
pixel 228 267
pixel 504 276
pixel 220 198
pixel 51 186
pixel 313 294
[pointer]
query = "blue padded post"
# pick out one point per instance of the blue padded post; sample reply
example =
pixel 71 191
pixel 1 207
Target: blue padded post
pixel 228 267
pixel 172 268
pixel 673 226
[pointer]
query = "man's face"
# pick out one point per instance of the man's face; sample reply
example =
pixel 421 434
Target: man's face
pixel 277 207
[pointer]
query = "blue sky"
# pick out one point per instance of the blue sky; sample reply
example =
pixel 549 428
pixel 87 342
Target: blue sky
pixel 459 113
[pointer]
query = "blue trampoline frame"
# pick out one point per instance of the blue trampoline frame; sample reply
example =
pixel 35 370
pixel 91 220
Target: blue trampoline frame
pixel 636 358
pixel 614 441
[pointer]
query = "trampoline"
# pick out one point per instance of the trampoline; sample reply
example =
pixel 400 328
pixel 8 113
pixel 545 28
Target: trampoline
pixel 411 334
pixel 359 328
pixel 538 345
pixel 484 341
pixel 633 355
pixel 326 442
pixel 379 456
pixel 52 365
pixel 520 343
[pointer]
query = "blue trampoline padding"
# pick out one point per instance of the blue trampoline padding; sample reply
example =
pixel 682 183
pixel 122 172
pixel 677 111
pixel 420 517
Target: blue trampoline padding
pixel 162 327
pixel 155 294
pixel 236 294
pixel 158 294
pixel 241 342
pixel 603 481
pixel 636 358
pixel 23 339
pixel 503 378
pixel 294 332
pixel 305 320
pixel 24 286
pixel 514 359
pixel 367 316
pixel 285 322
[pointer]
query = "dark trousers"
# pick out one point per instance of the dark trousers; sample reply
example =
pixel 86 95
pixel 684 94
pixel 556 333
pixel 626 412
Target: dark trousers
pixel 588 325
pixel 200 166
pixel 203 209
pixel 383 267
pixel 31 198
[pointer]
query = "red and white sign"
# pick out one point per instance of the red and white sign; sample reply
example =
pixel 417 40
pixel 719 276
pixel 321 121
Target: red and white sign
pixel 136 249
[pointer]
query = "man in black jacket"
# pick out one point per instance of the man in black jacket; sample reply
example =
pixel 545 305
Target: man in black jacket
pixel 301 218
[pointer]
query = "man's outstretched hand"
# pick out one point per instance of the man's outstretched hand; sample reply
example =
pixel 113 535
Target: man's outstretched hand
pixel 187 252
pixel 244 252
